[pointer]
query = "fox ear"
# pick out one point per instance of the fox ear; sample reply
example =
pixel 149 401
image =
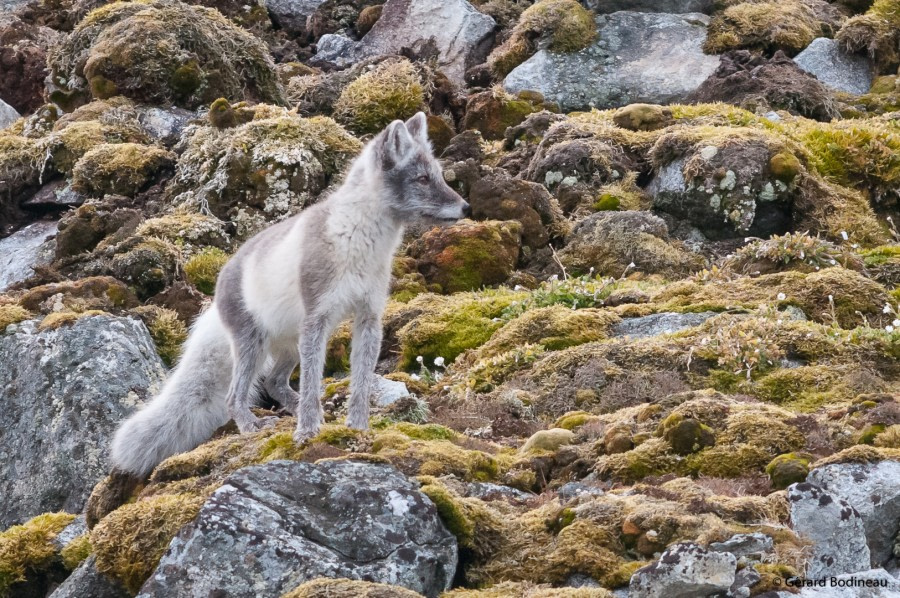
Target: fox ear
pixel 397 145
pixel 418 127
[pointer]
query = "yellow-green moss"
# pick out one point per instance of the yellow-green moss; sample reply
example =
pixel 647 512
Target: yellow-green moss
pixel 728 461
pixel 348 588
pixel 392 90
pixel 765 26
pixel 513 589
pixel 203 269
pixel 553 327
pixel 877 33
pixel 425 431
pixel 565 24
pixel 548 440
pixel 168 333
pixel 29 547
pixel 119 168
pixel 76 551
pixel 57 319
pixel 686 435
pixel 574 420
pixel 12 314
pixel 434 457
pixel 788 469
pixel 129 542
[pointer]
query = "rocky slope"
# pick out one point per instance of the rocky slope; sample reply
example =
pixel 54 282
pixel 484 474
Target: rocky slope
pixel 660 360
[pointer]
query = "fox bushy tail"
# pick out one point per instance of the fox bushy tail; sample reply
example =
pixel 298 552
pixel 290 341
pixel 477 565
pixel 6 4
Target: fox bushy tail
pixel 189 408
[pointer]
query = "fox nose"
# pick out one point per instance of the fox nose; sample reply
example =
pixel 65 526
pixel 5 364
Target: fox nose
pixel 467 209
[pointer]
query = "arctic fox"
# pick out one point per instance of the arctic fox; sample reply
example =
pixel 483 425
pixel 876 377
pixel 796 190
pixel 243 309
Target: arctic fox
pixel 280 297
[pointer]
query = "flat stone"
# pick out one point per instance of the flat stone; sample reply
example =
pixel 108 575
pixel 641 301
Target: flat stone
pixel 829 63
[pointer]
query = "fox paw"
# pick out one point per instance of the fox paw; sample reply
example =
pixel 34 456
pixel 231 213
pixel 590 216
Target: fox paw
pixel 304 436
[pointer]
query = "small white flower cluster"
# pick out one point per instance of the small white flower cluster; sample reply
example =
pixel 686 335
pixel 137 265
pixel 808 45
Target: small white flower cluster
pixel 895 311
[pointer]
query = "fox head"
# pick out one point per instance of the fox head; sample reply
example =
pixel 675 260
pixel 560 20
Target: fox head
pixel 417 190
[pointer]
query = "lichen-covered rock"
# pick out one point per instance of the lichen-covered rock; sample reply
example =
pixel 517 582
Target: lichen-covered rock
pixel 468 255
pixel 498 196
pixel 334 519
pixel 875 583
pixel 638 57
pixel 162 51
pixel 266 169
pixel 87 581
pixel 759 85
pixel 834 67
pixel 836 529
pixel 460 35
pixel 120 169
pixel 730 183
pixel 613 243
pixel 873 490
pixel 75 383
pixel 684 570
pixel 292 15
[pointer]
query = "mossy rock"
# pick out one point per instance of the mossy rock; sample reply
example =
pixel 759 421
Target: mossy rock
pixel 194 233
pixel 166 329
pixel 468 255
pixel 21 162
pixel 553 327
pixel 766 26
pixel 120 169
pixel 29 550
pixel 265 169
pixel 94 292
pixel 788 469
pixel 447 326
pixel 149 266
pixel 163 52
pixel 548 440
pixel 574 420
pixel 564 25
pixel 130 541
pixel 643 117
pixel 492 112
pixel 391 90
pixel 348 588
pixel 876 33
pixel 686 435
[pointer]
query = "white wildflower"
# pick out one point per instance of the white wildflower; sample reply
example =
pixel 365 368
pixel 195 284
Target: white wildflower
pixel 439 362
pixel 420 360
pixel 782 296
pixel 887 308
pixel 889 328
pixel 844 235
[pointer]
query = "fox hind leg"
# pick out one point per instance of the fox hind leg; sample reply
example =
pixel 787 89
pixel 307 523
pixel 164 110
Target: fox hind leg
pixel 248 359
pixel 277 382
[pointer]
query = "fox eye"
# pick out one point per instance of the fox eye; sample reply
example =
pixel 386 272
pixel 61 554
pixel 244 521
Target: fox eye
pixel 423 179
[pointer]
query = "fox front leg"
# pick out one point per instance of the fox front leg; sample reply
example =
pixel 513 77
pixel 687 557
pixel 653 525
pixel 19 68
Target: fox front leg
pixel 310 415
pixel 366 348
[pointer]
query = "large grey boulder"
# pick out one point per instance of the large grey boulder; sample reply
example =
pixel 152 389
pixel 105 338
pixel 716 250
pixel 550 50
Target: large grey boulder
pixel 86 582
pixel 8 115
pixel 271 527
pixel 835 528
pixel 684 570
pixel 873 489
pixel 25 249
pixel 832 65
pixel 637 58
pixel 291 15
pixel 63 393
pixel 667 6
pixel 875 583
pixel 461 35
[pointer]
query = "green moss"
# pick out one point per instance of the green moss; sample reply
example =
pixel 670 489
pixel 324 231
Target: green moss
pixel 785 166
pixel 686 435
pixel 203 269
pixel 728 461
pixel 573 420
pixel 102 88
pixel 447 326
pixel 606 202
pixel 488 373
pixel 129 542
pixel 451 513
pixel 186 79
pixel 881 255
pixel 280 446
pixel 642 117
pixel 76 551
pixel 877 32
pixel 392 90
pixel 803 388
pixel 788 469
pixel 425 432
pixel 12 314
pixel 565 24
pixel 869 434
pixel 348 588
pixel 29 547
pixel 339 436
pixel 434 457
